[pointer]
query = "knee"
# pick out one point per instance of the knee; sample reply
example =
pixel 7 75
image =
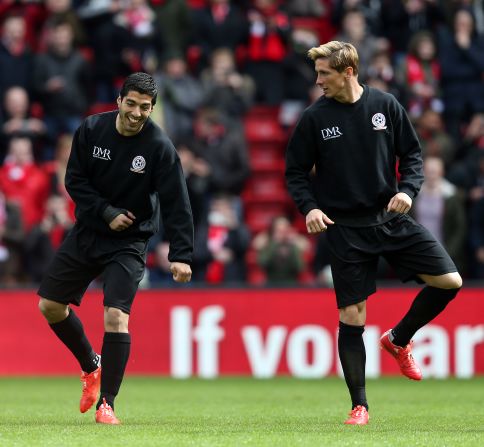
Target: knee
pixel 53 311
pixel 353 315
pixel 115 320
pixel 453 281
pixel 446 282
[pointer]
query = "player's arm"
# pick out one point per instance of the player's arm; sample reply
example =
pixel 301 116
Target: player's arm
pixel 181 272
pixel 410 166
pixel 118 219
pixel 87 199
pixel 176 213
pixel 300 159
pixel 317 221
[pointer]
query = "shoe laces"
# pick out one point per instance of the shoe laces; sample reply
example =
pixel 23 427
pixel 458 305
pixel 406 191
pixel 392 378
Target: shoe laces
pixel 106 408
pixel 405 355
pixel 357 412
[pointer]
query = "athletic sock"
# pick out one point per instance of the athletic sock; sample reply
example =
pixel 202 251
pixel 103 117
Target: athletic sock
pixel 352 355
pixel 115 354
pixel 71 332
pixel 429 303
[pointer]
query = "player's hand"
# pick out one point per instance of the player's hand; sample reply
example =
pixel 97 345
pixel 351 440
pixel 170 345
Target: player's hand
pixel 122 221
pixel 317 221
pixel 400 203
pixel 181 271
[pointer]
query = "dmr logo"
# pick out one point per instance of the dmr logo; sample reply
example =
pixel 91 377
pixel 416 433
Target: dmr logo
pixel 330 133
pixel 99 152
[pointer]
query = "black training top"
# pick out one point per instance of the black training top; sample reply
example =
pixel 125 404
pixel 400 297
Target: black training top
pixel 137 173
pixel 354 149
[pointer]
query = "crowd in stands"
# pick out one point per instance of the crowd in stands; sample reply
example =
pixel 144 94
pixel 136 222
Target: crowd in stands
pixel 233 78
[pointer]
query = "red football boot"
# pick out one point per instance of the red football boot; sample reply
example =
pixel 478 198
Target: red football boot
pixel 105 415
pixel 358 416
pixel 91 383
pixel 403 356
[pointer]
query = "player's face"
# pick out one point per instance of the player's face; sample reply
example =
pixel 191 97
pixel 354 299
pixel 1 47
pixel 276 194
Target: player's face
pixel 330 81
pixel 134 109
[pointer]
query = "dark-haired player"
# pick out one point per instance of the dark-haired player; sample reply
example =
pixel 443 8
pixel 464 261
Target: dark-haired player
pixel 353 136
pixel 122 172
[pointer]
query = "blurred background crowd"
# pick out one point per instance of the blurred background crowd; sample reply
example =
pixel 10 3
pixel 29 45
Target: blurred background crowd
pixel 233 79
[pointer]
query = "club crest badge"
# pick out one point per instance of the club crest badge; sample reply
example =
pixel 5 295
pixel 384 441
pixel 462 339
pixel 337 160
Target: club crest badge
pixel 138 164
pixel 379 121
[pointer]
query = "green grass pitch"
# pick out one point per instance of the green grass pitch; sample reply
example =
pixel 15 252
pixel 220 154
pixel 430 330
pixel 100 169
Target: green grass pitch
pixel 244 412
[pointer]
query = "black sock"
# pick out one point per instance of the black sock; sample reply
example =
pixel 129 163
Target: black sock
pixel 115 354
pixel 425 307
pixel 352 355
pixel 71 332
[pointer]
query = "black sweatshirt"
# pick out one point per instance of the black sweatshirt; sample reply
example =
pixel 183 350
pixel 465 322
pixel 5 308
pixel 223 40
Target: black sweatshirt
pixel 140 173
pixel 354 149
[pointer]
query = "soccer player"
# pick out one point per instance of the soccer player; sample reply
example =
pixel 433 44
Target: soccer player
pixel 122 172
pixel 353 135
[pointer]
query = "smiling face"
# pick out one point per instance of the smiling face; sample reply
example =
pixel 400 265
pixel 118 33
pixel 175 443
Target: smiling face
pixel 134 109
pixel 330 81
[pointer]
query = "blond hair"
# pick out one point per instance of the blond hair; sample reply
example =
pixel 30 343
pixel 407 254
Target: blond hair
pixel 340 55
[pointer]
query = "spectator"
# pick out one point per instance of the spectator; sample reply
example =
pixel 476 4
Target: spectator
pixel 355 31
pixel 381 74
pixel 298 74
pixel 197 175
pixel 61 10
pixel 219 24
pixel 61 79
pixel 137 36
pixel 98 17
pixel 371 9
pixel 224 148
pixel 465 173
pixel 19 122
pixel 179 96
pixel 224 88
pixel 45 238
pixel 435 141
pixel 221 244
pixel 11 243
pixel 462 61
pixel 56 170
pixel 306 8
pixel 269 34
pixel 15 56
pixel 477 238
pixel 402 19
pixel 280 252
pixel 420 74
pixel 174 18
pixel 440 208
pixel 23 182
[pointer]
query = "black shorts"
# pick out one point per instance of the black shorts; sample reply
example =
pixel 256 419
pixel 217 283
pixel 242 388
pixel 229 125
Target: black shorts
pixel 407 246
pixel 83 256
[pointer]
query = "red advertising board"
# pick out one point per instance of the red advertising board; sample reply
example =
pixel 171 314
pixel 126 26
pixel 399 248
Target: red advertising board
pixel 258 332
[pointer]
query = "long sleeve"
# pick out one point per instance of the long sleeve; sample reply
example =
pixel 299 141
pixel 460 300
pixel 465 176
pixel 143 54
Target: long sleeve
pixel 300 159
pixel 88 201
pixel 409 151
pixel 175 208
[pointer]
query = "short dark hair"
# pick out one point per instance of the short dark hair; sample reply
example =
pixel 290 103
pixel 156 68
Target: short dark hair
pixel 142 83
